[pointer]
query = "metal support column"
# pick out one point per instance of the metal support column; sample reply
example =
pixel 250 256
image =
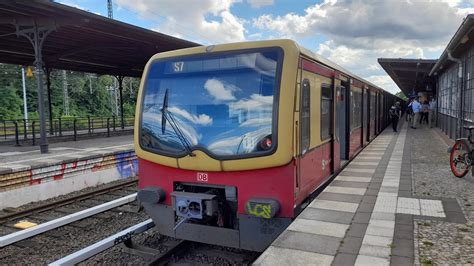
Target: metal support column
pixel 120 81
pixel 36 35
pixel 47 71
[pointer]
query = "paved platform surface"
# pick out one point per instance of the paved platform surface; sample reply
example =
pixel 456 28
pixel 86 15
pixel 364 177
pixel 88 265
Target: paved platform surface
pixel 369 214
pixel 14 158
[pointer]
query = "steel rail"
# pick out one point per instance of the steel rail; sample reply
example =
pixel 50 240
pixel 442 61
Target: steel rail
pixel 63 202
pixel 104 244
pixel 41 228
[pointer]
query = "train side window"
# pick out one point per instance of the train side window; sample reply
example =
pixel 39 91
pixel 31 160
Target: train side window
pixel 326 98
pixel 305 116
pixel 356 107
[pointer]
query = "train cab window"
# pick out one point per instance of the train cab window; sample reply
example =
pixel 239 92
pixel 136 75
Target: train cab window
pixel 326 98
pixel 305 116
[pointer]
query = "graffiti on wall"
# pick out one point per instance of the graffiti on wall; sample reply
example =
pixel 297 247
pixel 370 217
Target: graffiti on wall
pixel 125 163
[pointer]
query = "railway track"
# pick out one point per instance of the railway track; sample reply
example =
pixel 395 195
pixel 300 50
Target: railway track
pixel 68 224
pixel 55 243
pixel 165 251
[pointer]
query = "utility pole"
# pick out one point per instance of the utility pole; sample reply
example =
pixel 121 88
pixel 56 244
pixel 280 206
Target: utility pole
pixel 65 94
pixel 90 84
pixel 25 107
pixel 110 9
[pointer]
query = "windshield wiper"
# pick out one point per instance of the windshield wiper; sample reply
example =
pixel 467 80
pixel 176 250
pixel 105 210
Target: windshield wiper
pixel 168 116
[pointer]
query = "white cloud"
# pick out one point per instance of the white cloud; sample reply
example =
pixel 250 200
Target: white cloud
pixel 256 104
pixel 153 121
pixel 385 82
pixel 72 5
pixel 465 11
pixel 342 21
pixel 358 32
pixel 219 90
pixel 201 119
pixel 205 21
pixel 260 3
pixel 255 122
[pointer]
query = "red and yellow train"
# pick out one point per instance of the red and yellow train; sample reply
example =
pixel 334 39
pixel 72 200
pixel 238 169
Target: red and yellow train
pixel 233 139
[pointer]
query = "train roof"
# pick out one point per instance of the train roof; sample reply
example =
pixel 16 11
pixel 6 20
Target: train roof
pixel 301 49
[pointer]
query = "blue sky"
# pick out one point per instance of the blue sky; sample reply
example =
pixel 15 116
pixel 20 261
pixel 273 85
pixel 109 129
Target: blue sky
pixel 352 33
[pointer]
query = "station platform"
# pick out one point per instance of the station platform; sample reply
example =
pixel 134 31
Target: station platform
pixel 396 203
pixel 26 175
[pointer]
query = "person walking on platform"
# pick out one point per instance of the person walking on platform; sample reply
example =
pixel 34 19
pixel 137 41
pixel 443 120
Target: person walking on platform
pixel 416 107
pixel 432 112
pixel 425 108
pixel 409 112
pixel 395 113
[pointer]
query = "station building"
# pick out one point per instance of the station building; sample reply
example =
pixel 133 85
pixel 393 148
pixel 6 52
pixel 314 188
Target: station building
pixel 450 79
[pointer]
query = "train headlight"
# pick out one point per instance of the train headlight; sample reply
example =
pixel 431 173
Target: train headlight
pixel 266 143
pixel 262 208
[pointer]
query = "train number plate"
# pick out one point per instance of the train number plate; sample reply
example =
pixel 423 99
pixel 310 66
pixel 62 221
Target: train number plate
pixel 202 177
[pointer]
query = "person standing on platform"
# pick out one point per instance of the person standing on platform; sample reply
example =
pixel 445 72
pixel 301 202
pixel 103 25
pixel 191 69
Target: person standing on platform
pixel 416 107
pixel 432 112
pixel 409 112
pixel 394 113
pixel 425 108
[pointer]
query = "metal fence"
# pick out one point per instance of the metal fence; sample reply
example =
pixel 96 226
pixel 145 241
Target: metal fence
pixel 28 130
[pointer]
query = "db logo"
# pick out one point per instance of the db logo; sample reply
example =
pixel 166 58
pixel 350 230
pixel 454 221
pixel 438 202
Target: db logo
pixel 202 177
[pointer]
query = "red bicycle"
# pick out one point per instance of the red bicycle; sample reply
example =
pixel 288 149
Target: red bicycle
pixel 462 154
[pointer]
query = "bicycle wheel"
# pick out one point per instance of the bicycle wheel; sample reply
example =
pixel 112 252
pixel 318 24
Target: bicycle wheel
pixel 459 160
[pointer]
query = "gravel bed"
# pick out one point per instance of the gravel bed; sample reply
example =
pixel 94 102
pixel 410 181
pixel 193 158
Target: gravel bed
pixel 441 242
pixel 5 230
pixel 57 243
pixel 118 256
pixel 445 243
pixel 198 254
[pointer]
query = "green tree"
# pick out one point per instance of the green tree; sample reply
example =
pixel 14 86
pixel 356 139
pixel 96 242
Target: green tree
pixel 10 103
pixel 88 94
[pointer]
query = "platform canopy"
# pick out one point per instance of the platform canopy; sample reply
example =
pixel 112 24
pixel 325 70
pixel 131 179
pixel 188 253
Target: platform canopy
pixel 50 35
pixel 78 40
pixel 410 75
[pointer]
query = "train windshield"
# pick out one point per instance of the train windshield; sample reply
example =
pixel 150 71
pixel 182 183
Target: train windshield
pixel 222 104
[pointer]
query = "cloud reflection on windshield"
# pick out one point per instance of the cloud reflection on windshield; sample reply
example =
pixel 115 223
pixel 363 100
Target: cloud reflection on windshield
pixel 224 105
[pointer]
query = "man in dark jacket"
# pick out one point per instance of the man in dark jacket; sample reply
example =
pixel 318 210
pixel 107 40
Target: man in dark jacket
pixel 395 113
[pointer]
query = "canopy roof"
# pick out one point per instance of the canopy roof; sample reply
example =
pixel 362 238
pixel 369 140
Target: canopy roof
pixel 79 40
pixel 410 75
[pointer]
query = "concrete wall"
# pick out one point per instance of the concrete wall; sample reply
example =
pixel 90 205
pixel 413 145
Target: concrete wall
pixel 25 186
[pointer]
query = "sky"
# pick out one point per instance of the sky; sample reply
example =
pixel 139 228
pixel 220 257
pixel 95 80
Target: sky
pixel 351 33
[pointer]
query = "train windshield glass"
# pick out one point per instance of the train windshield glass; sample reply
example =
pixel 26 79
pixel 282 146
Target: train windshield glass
pixel 221 104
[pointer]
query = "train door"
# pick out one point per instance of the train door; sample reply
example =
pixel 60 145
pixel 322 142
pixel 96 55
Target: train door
pixel 310 159
pixel 342 121
pixel 336 142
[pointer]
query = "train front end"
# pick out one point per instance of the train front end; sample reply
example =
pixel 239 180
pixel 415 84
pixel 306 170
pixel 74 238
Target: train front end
pixel 214 137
